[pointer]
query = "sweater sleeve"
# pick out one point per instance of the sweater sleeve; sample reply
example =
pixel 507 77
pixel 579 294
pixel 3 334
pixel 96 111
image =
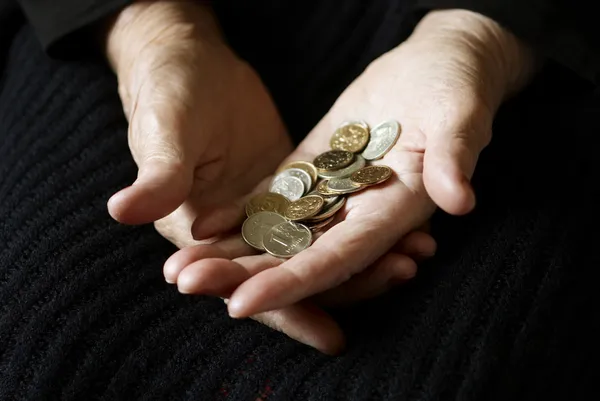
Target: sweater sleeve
pixel 62 26
pixel 561 30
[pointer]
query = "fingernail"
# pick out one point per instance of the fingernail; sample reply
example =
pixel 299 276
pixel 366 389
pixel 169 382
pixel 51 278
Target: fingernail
pixel 183 287
pixel 169 281
pixel 234 308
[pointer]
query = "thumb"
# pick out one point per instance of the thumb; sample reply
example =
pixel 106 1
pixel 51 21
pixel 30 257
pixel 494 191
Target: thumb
pixel 165 169
pixel 451 154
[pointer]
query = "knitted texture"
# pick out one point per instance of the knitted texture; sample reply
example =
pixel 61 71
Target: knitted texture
pixel 505 310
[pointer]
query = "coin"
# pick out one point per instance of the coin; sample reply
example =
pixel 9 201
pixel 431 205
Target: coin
pixel 350 137
pixel 298 173
pixel 383 137
pixel 320 225
pixel 357 122
pixel 267 202
pixel 256 226
pixel 359 162
pixel 328 212
pixel 306 166
pixel 333 160
pixel 342 186
pixel 287 239
pixel 324 190
pixel 305 207
pixel 371 175
pixel 290 187
pixel 329 199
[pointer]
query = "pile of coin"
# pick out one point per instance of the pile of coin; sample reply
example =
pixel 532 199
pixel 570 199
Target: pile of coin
pixel 283 220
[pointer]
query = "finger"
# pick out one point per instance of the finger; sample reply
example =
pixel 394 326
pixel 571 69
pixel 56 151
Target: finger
pixel 389 271
pixel 229 248
pixel 307 324
pixel 205 277
pixel 160 188
pixel 450 158
pixel 224 217
pixel 219 277
pixel 176 227
pixel 215 220
pixel 303 322
pixel 418 245
pixel 159 139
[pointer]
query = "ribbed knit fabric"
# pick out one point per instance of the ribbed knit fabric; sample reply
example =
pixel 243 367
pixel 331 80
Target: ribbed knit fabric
pixel 506 310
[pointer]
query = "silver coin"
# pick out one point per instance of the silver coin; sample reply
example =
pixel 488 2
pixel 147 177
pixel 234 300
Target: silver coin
pixel 298 173
pixel 256 226
pixel 343 185
pixel 290 187
pixel 287 239
pixel 383 137
pixel 359 162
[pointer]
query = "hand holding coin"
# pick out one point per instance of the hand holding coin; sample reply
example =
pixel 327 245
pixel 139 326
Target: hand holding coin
pixel 437 86
pixel 443 86
pixel 196 163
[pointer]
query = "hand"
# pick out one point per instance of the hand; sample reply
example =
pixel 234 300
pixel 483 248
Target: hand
pixel 207 269
pixel 444 85
pixel 180 86
pixel 199 117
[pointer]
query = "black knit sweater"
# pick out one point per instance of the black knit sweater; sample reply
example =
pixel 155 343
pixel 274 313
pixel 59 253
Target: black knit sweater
pixel 504 311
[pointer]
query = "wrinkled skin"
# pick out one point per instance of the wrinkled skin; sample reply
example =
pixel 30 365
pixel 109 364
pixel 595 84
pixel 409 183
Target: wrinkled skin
pixel 205 135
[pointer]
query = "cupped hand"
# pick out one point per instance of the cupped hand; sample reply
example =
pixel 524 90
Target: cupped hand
pixel 443 85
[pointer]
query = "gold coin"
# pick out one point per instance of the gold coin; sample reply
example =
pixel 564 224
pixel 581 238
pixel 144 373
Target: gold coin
pixel 351 137
pixel 302 165
pixel 329 200
pixel 359 162
pixel 371 175
pixel 267 202
pixel 256 226
pixel 342 186
pixel 358 122
pixel 287 239
pixel 323 189
pixel 327 213
pixel 318 226
pixel 305 207
pixel 333 160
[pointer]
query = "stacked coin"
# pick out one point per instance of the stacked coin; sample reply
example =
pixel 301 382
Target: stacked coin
pixel 282 221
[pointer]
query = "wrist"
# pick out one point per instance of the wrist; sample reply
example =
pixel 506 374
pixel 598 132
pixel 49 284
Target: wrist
pixel 493 50
pixel 146 23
